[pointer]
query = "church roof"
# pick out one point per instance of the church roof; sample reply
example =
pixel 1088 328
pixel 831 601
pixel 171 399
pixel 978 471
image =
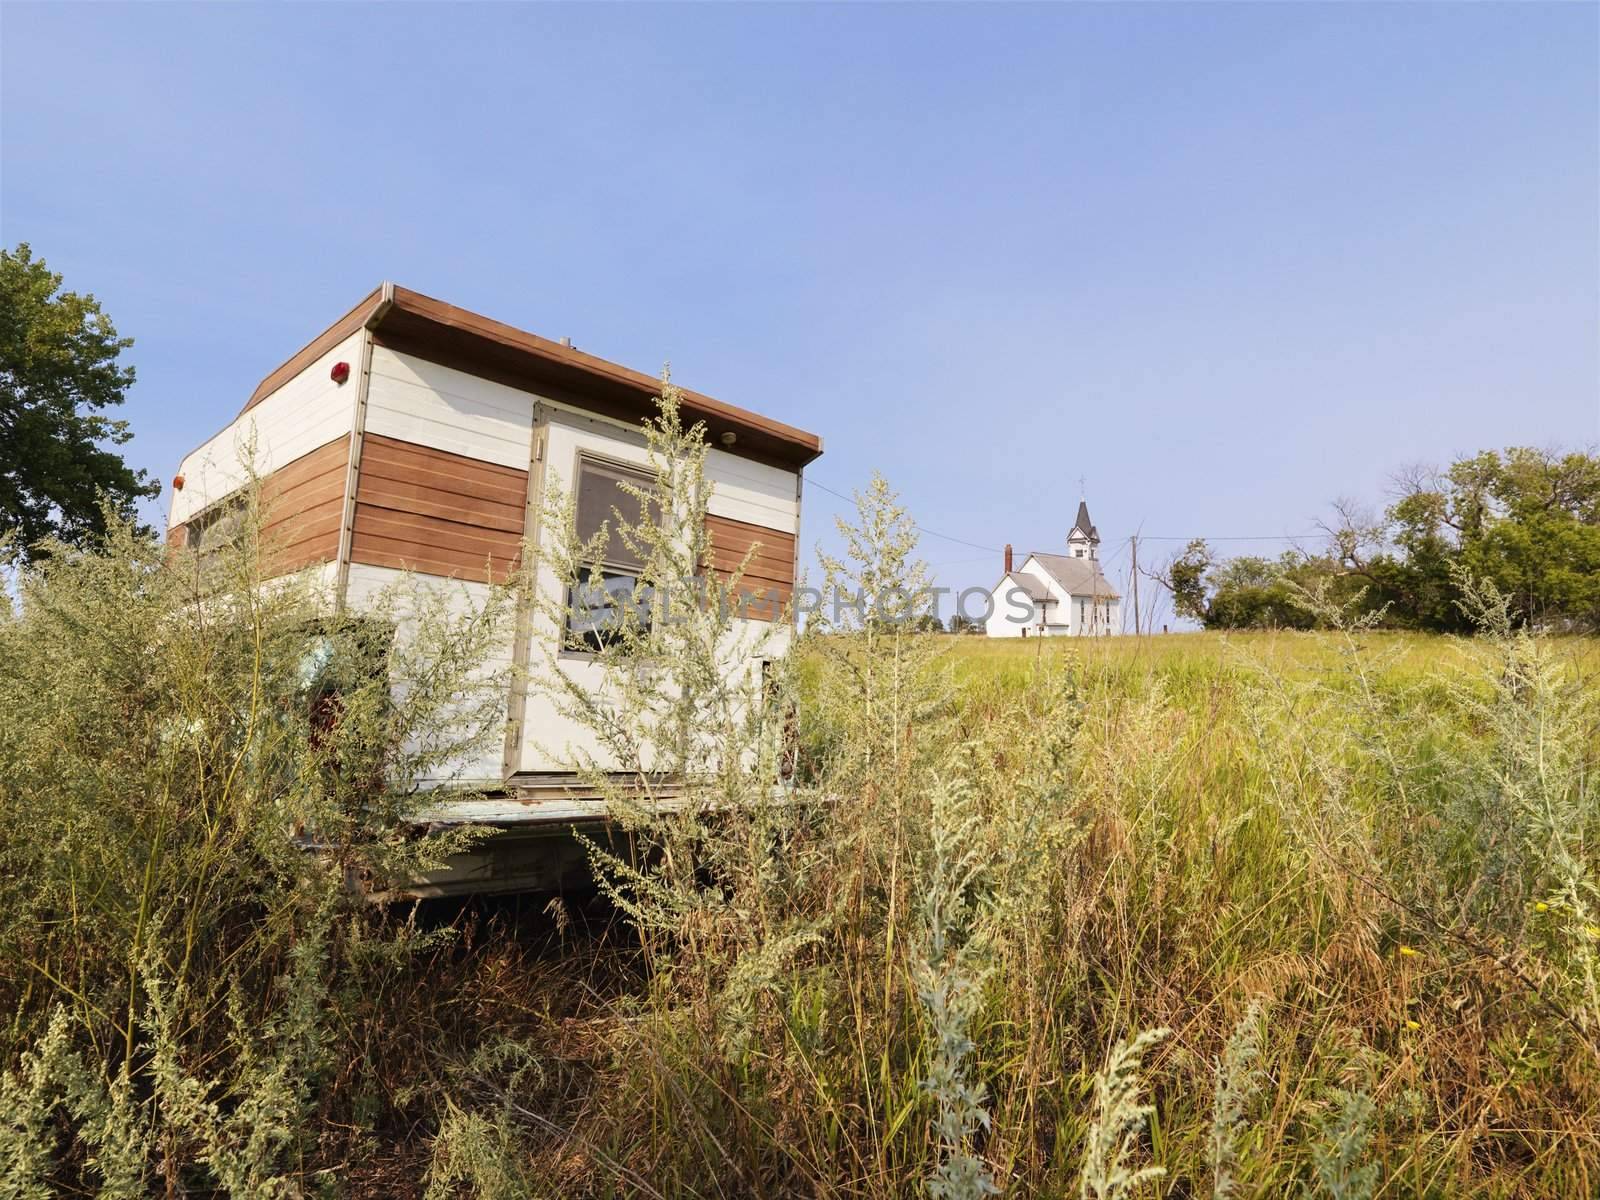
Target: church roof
pixel 1032 585
pixel 1083 525
pixel 1078 576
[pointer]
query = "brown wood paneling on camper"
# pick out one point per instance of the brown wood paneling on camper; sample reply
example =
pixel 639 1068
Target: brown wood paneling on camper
pixel 301 503
pixel 768 579
pixel 425 509
pixel 304 502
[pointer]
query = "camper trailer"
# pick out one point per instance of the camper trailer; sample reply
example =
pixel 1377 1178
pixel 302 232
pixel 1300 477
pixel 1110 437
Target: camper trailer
pixel 414 436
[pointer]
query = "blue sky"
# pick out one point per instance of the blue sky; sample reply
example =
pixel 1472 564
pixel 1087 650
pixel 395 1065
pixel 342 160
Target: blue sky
pixel 1224 262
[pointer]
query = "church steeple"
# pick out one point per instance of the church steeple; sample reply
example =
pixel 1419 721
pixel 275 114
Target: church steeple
pixel 1084 540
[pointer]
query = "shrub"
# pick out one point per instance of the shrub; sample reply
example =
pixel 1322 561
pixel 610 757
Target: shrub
pixel 196 764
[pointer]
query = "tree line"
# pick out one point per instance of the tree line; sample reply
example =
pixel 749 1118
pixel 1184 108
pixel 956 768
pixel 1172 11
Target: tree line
pixel 1526 520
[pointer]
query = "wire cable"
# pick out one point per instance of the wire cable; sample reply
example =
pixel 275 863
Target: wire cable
pixel 1242 537
pixel 1143 537
pixel 919 528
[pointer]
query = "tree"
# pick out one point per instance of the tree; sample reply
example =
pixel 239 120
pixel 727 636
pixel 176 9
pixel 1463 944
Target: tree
pixel 1539 538
pixel 1185 578
pixel 1527 519
pixel 58 375
pixel 1245 592
pixel 1257 593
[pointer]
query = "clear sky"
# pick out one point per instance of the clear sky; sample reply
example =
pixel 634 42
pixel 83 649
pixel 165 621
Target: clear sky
pixel 1225 262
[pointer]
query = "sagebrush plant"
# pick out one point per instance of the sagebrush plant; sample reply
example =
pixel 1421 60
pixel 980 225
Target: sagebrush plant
pixel 479 1148
pixel 1238 1083
pixel 1111 1148
pixel 949 971
pixel 1340 1156
pixel 1538 722
pixel 199 763
pixel 687 723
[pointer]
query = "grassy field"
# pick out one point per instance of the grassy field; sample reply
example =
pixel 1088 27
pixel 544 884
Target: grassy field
pixel 1345 842
pixel 1345 878
pixel 1404 655
pixel 1190 915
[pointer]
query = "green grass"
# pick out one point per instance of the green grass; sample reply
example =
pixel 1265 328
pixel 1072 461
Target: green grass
pixel 1406 655
pixel 1365 861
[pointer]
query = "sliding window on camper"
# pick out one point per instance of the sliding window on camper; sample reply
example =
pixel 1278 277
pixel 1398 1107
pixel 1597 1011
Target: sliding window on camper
pixel 596 606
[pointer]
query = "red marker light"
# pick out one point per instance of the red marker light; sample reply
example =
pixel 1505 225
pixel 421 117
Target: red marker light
pixel 177 483
pixel 340 372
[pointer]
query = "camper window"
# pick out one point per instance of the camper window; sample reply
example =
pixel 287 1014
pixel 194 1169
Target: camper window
pixel 218 526
pixel 596 607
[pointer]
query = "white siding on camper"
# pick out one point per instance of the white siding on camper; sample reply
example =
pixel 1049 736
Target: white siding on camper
pixel 742 490
pixel 752 492
pixel 552 742
pixel 308 411
pixel 414 400
pixel 418 401
pixel 372 587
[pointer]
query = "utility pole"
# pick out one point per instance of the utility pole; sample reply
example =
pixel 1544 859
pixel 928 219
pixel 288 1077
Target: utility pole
pixel 1136 585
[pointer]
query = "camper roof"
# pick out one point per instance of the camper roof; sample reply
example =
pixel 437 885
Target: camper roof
pixel 412 323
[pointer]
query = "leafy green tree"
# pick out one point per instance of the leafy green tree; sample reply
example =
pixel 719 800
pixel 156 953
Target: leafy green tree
pixel 1416 582
pixel 1540 535
pixel 58 375
pixel 1245 592
pixel 1185 578
pixel 1526 519
pixel 1256 593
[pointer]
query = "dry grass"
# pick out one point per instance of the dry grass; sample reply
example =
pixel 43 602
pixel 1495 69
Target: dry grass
pixel 1227 827
pixel 1406 655
pixel 908 975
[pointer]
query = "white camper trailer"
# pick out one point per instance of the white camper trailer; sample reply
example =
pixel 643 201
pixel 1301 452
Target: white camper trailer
pixel 411 435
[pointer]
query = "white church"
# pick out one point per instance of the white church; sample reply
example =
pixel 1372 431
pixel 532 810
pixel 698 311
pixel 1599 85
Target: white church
pixel 1057 595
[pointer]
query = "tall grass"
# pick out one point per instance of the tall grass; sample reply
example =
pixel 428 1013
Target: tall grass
pixel 1351 874
pixel 1349 871
pixel 196 766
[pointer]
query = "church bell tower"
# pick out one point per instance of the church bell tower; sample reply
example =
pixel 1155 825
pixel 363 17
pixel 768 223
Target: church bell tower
pixel 1084 540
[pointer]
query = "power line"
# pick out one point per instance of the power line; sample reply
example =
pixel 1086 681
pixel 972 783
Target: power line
pixel 1243 537
pixel 919 528
pixel 1147 537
